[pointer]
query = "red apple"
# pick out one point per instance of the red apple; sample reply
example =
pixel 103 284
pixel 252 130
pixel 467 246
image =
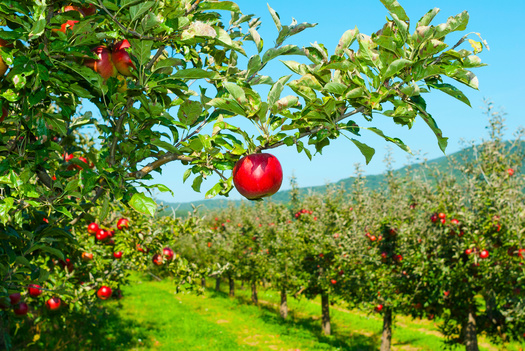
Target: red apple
pixel 379 308
pixel 53 303
pixel 468 251
pixel 446 293
pixel 141 249
pixel 333 281
pixel 15 298
pixel 34 290
pixel 121 58
pixel 454 221
pixel 67 264
pixel 117 255
pixel 101 234
pixel 88 10
pixel 484 254
pixel 21 309
pixel 87 256
pixel 92 228
pixel 5 112
pixel 168 253
pixel 122 223
pixel 104 292
pixel 441 215
pixel 157 259
pixel 434 218
pixel 510 172
pixel 399 258
pixel 209 244
pixel 257 175
pixel 103 66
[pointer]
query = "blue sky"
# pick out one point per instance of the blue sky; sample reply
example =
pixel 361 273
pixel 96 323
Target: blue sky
pixel 499 22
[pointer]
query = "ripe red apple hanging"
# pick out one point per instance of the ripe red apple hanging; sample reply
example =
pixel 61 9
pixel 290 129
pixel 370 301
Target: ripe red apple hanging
pixel 257 175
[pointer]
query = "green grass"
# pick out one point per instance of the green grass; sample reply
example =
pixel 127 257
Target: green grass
pixel 155 318
pixel 152 317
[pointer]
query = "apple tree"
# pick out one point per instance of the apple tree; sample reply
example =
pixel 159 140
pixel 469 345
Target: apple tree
pixel 96 95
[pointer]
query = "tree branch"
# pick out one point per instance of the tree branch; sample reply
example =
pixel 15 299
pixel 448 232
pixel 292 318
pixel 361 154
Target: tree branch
pixel 313 131
pixel 168 157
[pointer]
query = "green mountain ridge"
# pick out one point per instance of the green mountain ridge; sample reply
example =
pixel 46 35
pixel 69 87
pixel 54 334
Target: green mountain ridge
pixel 374 182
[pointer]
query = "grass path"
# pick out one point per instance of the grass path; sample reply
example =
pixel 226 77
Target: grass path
pixel 153 317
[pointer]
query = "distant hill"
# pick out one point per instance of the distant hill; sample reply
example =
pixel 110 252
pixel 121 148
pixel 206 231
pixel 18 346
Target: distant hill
pixel 373 182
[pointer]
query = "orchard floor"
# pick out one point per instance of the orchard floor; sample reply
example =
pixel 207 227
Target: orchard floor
pixel 151 316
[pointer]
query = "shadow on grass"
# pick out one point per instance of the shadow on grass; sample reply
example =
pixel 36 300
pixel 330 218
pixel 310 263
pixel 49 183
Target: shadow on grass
pixel 297 324
pixel 103 329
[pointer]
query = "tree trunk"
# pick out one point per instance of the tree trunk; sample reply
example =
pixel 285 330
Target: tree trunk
pixel 203 282
pixel 242 284
pixel 386 338
pixel 325 307
pixel 218 284
pixel 284 304
pixel 255 299
pixel 471 335
pixel 232 286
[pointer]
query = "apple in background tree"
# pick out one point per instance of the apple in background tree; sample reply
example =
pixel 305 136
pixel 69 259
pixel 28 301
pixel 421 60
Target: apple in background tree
pixel 121 58
pixel 157 259
pixel 104 292
pixel 122 223
pixel 257 175
pixel 510 172
pixel 53 303
pixel 88 10
pixel 168 253
pixel 21 309
pixel 101 234
pixel 15 298
pixel 333 281
pixel 379 308
pixel 70 23
pixel 103 66
pixel 92 228
pixel 87 256
pixel 484 254
pixel 5 112
pixel 117 255
pixel 34 290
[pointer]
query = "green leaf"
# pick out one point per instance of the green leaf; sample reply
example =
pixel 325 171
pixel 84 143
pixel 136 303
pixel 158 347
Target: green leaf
pixel 275 17
pixel 366 150
pixel 214 191
pixel 104 211
pixel 38 28
pixel 195 73
pixel 396 66
pixel 219 5
pixel 236 91
pixel 454 23
pixel 141 49
pixel 467 78
pixel 346 40
pixel 428 17
pixel 137 10
pixel 394 7
pixel 143 204
pixel 396 141
pixel 189 112
pixel 164 145
pixel 335 88
pixel 284 50
pixel 293 29
pixel 254 65
pixel 452 91
pixel 228 105
pixel 276 90
pixel 257 39
pixel 52 251
pixel 186 175
pixel 420 104
pixel 197 184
